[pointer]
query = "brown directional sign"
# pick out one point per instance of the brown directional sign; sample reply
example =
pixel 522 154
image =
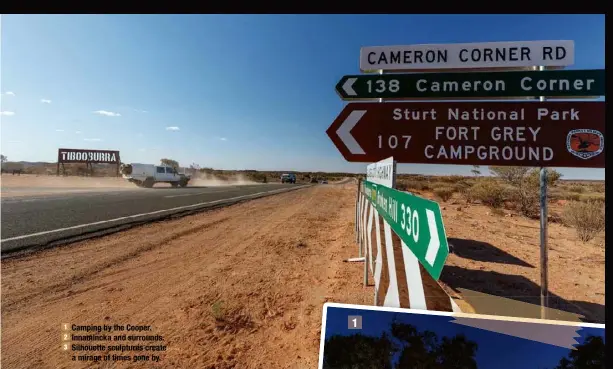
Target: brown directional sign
pixel 66 156
pixel 552 134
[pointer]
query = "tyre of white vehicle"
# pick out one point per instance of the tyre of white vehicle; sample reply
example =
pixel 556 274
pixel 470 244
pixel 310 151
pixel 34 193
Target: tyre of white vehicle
pixel 148 183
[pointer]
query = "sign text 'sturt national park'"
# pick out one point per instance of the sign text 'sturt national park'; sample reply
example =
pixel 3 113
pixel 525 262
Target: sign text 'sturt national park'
pixel 552 134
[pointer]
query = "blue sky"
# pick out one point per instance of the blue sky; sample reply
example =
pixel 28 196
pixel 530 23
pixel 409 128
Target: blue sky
pixel 495 350
pixel 245 91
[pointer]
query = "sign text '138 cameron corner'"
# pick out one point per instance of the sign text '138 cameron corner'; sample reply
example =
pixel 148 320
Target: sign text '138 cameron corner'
pixel 557 83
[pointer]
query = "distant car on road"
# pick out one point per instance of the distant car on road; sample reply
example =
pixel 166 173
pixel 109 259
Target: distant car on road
pixel 288 178
pixel 324 181
pixel 146 175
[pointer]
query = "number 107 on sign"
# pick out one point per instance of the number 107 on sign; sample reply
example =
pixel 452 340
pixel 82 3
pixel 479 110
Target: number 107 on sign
pixel 393 141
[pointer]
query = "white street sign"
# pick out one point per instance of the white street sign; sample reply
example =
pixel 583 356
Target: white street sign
pixel 382 172
pixel 555 53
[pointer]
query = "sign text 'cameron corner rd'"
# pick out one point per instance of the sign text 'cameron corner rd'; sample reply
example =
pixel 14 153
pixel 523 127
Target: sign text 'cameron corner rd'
pixel 552 134
pixel 417 221
pixel 469 85
pixel 517 54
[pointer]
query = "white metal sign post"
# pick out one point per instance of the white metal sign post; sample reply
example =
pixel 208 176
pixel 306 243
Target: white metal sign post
pixel 384 173
pixel 543 236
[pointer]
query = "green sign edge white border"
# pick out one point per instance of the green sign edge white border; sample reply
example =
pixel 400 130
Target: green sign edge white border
pixel 429 267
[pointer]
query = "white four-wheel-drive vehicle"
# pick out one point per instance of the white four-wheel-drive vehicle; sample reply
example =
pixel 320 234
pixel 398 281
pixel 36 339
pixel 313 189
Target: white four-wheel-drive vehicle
pixel 146 175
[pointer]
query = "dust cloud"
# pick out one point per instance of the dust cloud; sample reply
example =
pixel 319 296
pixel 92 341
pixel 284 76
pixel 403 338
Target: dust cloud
pixel 31 184
pixel 32 180
pixel 210 180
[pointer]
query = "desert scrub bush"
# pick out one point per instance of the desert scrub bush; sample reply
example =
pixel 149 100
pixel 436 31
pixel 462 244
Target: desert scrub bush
pixel 416 185
pixel 467 183
pixel 525 183
pixel 597 187
pixel 218 311
pixel 576 189
pixel 489 192
pixel 572 196
pixel 450 179
pixel 436 185
pixel 401 186
pixel 588 218
pixel 587 197
pixel 467 194
pixel 444 193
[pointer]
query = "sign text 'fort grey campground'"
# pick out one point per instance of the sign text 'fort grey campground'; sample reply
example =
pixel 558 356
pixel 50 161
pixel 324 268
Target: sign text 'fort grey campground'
pixel 87 156
pixel 382 172
pixel 551 134
pixel 556 53
pixel 417 221
pixel 471 85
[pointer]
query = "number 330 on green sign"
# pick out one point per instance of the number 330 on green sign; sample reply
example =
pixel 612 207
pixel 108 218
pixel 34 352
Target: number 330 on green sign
pixel 410 222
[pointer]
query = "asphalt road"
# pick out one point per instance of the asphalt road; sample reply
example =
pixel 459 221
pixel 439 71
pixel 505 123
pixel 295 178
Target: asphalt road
pixel 43 220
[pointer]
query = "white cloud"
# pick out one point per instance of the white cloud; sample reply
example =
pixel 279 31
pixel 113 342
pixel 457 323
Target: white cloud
pixel 9 93
pixel 78 132
pixel 172 128
pixel 107 113
pixel 222 139
pixel 92 139
pixel 45 101
pixel 142 150
pixel 141 111
pixel 59 130
pixel 7 113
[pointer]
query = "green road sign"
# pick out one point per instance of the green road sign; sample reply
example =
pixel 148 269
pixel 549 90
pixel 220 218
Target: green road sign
pixel 417 221
pixel 473 85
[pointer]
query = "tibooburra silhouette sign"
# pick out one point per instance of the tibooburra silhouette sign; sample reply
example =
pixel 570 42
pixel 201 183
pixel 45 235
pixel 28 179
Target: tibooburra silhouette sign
pixel 88 157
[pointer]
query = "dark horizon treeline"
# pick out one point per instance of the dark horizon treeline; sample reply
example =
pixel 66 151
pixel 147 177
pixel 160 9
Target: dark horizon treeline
pixel 424 350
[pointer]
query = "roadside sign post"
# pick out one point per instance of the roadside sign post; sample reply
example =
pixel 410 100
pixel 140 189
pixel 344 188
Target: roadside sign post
pixel 543 235
pixel 417 221
pixel 528 134
pixel 357 204
pixel 544 257
pixel 383 173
